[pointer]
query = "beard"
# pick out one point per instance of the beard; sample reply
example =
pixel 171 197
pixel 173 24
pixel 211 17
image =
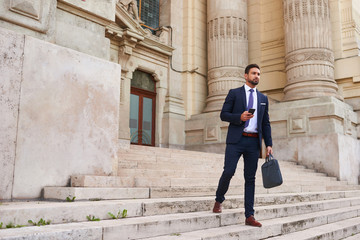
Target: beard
pixel 253 82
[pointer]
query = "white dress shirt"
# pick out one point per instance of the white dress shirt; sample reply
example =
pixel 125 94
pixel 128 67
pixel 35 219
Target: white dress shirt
pixel 252 128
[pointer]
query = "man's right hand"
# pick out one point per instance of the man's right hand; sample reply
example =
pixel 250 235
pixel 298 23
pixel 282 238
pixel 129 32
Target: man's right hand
pixel 246 116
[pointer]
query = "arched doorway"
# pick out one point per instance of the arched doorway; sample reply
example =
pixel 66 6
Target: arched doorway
pixel 142 109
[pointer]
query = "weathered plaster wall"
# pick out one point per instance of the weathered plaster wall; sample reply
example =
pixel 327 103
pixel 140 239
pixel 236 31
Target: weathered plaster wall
pixel 68 115
pixel 11 58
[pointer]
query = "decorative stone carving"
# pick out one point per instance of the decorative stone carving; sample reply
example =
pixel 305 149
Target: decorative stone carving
pixel 32 14
pixel 128 42
pixel 220 81
pixel 27 8
pixel 234 28
pixel 131 8
pixel 227 49
pixel 124 56
pixel 309 55
pixel 298 125
pixel 225 73
pixel 211 133
pixel 347 123
pixel 350 29
pixel 309 58
pixel 164 35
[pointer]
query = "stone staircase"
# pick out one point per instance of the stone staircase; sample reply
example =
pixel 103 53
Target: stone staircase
pixel 168 194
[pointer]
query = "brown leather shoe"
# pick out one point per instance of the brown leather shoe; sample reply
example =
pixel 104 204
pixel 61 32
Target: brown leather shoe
pixel 217 207
pixel 252 222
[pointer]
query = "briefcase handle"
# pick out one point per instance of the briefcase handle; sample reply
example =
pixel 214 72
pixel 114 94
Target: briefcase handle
pixel 269 158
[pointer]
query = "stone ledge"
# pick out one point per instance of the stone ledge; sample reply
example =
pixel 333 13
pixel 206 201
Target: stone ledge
pixel 61 193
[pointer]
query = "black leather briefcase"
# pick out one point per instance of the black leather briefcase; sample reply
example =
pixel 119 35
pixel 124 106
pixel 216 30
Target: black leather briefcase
pixel 271 173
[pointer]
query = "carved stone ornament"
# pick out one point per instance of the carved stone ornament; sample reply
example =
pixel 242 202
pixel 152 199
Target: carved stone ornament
pixel 228 27
pixel 347 123
pixel 298 125
pixel 296 9
pixel 211 133
pixel 225 73
pixel 309 55
pixel 30 9
pixel 131 7
pixel 32 14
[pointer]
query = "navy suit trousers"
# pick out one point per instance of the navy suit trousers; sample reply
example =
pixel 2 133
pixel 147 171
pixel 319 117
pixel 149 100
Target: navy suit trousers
pixel 250 149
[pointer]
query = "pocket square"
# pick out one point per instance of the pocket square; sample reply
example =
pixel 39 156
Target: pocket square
pixel 263 103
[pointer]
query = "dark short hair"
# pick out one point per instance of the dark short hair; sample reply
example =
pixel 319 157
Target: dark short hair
pixel 250 66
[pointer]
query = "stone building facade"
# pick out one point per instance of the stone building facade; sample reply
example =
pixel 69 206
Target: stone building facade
pixel 81 79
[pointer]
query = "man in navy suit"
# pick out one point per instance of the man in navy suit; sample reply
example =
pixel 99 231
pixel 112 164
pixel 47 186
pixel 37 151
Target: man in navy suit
pixel 244 137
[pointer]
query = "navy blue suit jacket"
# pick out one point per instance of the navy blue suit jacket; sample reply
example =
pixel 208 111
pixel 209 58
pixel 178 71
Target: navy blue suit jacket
pixel 235 105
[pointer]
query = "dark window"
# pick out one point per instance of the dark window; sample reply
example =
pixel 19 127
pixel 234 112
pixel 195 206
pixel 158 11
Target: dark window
pixel 149 13
pixel 143 80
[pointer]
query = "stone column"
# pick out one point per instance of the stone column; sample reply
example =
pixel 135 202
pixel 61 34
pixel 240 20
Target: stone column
pixel 227 49
pixel 309 55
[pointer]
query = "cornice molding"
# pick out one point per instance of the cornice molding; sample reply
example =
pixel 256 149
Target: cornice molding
pixel 82 13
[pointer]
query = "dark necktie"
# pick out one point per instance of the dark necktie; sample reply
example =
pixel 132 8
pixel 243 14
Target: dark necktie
pixel 250 105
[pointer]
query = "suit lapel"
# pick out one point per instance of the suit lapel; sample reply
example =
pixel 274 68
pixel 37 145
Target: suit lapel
pixel 258 100
pixel 243 97
pixel 259 116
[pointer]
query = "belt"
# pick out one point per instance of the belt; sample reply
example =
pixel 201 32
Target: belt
pixel 250 134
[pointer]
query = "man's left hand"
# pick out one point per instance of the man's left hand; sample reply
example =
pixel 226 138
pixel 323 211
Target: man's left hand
pixel 269 150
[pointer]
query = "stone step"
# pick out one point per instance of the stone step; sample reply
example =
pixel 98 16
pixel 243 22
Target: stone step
pixel 129 179
pixel 101 181
pixel 171 192
pixel 59 212
pixel 114 193
pixel 166 192
pixel 99 187
pixel 19 213
pixel 194 158
pixel 61 193
pixel 337 230
pixel 298 217
pixel 127 168
pixel 71 231
pixel 163 151
pixel 144 181
pixel 129 164
pixel 280 202
pixel 153 159
pixel 344 219
pixel 354 236
pixel 176 173
pixel 150 153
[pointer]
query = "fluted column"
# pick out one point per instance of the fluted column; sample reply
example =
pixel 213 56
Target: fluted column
pixel 227 49
pixel 309 55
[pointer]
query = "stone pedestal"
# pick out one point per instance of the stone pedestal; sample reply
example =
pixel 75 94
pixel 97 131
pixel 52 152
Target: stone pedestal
pixel 319 133
pixel 206 132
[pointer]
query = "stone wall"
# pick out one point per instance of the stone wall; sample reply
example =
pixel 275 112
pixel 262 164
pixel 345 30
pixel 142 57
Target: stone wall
pixel 11 58
pixel 61 113
pixel 319 133
pixel 194 56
